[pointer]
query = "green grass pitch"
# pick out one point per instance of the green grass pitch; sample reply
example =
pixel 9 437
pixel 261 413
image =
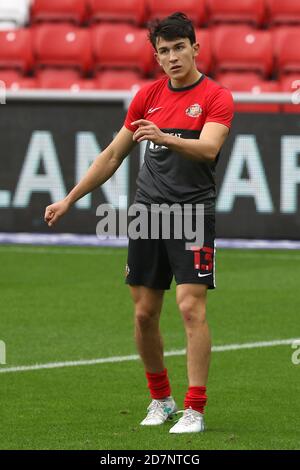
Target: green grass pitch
pixel 64 304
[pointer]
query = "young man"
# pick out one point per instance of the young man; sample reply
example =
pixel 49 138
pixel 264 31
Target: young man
pixel 185 117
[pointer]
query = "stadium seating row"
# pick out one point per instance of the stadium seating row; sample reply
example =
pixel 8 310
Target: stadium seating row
pixel 223 49
pixel 255 12
pixel 72 80
pixel 116 80
pixel 111 80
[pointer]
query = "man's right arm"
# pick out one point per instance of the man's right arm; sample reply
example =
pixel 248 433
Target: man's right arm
pixel 103 167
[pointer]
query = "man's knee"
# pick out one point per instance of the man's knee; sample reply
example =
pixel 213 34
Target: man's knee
pixel 145 314
pixel 147 305
pixel 192 307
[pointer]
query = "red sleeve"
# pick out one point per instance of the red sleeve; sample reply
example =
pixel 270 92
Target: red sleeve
pixel 220 108
pixel 135 111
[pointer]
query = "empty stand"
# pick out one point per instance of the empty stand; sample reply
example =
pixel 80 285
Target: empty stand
pixel 286 42
pixel 236 11
pixel 120 80
pixel 122 46
pixel 238 81
pixel 63 80
pixel 57 78
pixel 59 10
pixel 283 11
pixel 16 49
pixel 116 50
pixel 14 11
pixel 62 45
pixel 194 9
pixel 241 48
pixel 204 58
pixel 252 83
pixel 131 11
pixel 16 81
pixel 10 76
pixel 24 83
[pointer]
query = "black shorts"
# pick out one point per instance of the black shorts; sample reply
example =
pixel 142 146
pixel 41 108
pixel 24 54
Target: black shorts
pixel 152 263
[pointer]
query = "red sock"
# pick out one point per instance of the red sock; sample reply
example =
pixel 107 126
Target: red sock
pixel 196 398
pixel 159 385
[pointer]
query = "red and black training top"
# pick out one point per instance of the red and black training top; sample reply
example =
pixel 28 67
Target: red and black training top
pixel 167 176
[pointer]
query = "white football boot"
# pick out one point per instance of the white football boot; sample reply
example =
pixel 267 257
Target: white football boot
pixel 190 421
pixel 160 411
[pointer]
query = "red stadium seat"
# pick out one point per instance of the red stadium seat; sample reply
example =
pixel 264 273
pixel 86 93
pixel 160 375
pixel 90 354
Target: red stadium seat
pixel 62 45
pixel 285 43
pixel 283 11
pixel 9 76
pixel 119 80
pixel 242 49
pixel 63 79
pixel 194 9
pixel 58 10
pixel 24 83
pixel 57 78
pixel 131 11
pixel 238 81
pixel 83 85
pixel 278 34
pixel 204 59
pixel 15 81
pixel 250 82
pixel 16 49
pixel 291 84
pixel 236 11
pixel 122 47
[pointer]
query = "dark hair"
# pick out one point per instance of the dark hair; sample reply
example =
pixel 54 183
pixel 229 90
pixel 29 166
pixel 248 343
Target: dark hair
pixel 177 25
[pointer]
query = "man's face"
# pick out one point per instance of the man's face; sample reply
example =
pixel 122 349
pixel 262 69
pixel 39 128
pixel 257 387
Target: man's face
pixel 176 56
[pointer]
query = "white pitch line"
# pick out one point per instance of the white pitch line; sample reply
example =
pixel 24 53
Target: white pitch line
pixel 135 357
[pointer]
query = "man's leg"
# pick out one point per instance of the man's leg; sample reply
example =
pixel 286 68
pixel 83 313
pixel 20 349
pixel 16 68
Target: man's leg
pixel 147 308
pixel 148 304
pixel 191 299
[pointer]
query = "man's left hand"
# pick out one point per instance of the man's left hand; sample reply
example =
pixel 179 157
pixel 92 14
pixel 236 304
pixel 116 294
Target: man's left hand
pixel 148 131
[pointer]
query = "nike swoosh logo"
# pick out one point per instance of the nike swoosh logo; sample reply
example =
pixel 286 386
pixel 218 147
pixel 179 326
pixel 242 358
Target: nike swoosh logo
pixel 151 110
pixel 203 275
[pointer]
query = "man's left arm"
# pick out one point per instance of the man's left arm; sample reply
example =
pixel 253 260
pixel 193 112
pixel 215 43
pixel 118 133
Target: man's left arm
pixel 204 149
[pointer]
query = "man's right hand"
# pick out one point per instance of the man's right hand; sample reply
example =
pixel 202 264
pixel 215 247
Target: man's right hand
pixel 55 211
